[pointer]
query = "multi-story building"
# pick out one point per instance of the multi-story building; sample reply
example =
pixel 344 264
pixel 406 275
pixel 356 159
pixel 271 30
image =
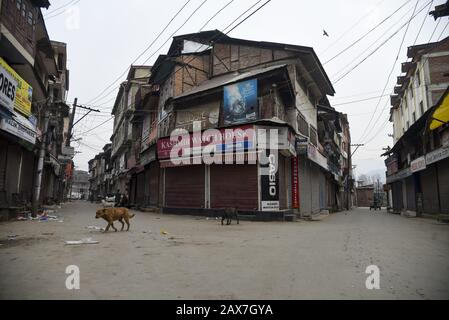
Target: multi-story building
pixel 223 94
pixel 80 185
pixel 417 163
pixel 100 175
pixel 30 63
pixel 122 154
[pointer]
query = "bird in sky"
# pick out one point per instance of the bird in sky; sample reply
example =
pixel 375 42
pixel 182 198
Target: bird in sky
pixel 325 33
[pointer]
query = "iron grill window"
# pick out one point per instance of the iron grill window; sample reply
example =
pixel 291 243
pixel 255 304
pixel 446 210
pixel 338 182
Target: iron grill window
pixel 303 126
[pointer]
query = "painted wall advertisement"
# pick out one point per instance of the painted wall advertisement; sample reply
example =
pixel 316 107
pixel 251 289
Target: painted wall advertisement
pixel 24 92
pixel 205 114
pixel 269 182
pixel 240 102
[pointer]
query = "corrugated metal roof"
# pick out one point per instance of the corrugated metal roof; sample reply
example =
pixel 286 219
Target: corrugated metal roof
pixel 227 79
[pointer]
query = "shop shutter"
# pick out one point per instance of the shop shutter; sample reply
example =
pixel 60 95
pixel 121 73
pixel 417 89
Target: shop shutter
pixel 429 189
pixel 443 179
pixel 397 196
pixel 305 199
pixel 184 187
pixel 3 159
pixel 140 188
pixel 410 190
pixel 234 185
pixel 147 186
pixel 154 183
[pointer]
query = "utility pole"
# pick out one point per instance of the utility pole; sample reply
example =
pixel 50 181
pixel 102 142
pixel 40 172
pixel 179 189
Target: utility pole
pixel 70 135
pixel 72 118
pixel 349 169
pixel 40 163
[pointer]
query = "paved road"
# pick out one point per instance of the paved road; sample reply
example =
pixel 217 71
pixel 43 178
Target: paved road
pixel 200 259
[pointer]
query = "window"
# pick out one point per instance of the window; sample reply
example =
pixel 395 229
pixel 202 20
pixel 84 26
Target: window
pixel 303 126
pixel 414 116
pixel 30 18
pixel 421 107
pixel 18 4
pixel 24 10
pixel 408 125
pixel 418 77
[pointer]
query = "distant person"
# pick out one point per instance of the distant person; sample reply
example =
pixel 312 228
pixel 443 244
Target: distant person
pixel 118 198
pixel 124 201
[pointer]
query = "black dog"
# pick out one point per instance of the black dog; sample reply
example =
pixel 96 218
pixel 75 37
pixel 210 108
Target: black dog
pixel 230 213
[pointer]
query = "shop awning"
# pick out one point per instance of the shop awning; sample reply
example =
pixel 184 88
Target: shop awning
pixel 441 114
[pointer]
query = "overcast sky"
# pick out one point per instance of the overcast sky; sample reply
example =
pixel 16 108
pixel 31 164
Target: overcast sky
pixel 104 36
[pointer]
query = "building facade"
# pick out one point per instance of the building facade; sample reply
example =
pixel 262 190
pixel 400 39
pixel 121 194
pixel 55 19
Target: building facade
pixel 417 163
pixel 32 65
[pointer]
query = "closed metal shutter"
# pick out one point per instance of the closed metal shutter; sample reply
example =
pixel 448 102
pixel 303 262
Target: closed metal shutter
pixel 443 180
pixel 140 188
pixel 429 189
pixel 410 190
pixel 184 187
pixel 315 188
pixel 146 200
pixel 305 200
pixel 3 159
pixel 397 196
pixel 234 186
pixel 27 175
pixel 154 183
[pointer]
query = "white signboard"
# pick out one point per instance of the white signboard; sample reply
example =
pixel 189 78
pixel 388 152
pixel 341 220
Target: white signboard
pixel 418 164
pixel 437 155
pixel 17 126
pixel 8 87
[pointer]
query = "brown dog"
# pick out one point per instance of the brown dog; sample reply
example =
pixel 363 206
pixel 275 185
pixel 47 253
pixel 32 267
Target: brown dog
pixel 113 214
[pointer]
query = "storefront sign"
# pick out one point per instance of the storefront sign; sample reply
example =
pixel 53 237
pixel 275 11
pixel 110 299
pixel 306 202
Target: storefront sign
pixel 418 164
pixel 392 165
pixel 20 127
pixel 269 182
pixel 222 140
pixel 295 182
pixel 8 88
pixel 400 175
pixel 205 116
pixel 24 92
pixel 437 155
pixel 240 102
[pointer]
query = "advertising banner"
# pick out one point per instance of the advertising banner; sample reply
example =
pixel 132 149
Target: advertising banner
pixel 24 92
pixel 269 182
pixel 205 114
pixel 222 140
pixel 20 127
pixel 8 88
pixel 240 102
pixel 295 183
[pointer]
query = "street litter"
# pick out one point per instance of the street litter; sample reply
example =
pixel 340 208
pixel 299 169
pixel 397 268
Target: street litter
pixel 82 241
pixel 95 228
pixel 12 236
pixel 164 232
